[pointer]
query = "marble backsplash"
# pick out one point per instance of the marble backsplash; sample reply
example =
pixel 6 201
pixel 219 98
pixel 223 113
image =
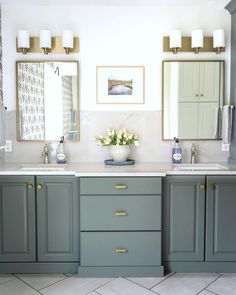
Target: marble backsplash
pixel 147 124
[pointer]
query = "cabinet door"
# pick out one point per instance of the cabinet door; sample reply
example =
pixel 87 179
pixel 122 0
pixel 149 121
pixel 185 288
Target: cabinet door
pixel 208 120
pixel 17 219
pixel 209 86
pixel 221 218
pixel 188 82
pixel 188 120
pixel 57 218
pixel 183 228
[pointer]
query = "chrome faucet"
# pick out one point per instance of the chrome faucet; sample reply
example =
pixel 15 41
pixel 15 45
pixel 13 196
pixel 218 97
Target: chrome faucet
pixel 45 154
pixel 193 159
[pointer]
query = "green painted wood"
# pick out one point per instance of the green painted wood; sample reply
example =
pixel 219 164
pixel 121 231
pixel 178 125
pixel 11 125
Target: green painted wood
pixel 184 221
pixel 231 7
pixel 99 212
pixel 99 248
pixel 193 266
pixel 17 219
pixel 107 185
pixel 57 218
pixel 221 219
pixel 126 271
pixel 49 267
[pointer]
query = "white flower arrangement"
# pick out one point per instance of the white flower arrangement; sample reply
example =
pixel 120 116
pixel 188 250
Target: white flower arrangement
pixel 117 137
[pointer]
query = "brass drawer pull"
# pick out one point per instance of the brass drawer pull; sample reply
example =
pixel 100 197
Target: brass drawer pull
pixel 39 186
pixel 121 213
pixel 202 186
pixel 121 186
pixel 30 186
pixel 121 250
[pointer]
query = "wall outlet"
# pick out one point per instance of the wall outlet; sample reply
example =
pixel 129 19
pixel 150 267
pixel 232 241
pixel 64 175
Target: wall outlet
pixel 8 147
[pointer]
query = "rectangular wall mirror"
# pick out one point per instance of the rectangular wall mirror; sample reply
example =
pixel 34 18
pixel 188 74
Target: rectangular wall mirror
pixel 47 100
pixel 192 97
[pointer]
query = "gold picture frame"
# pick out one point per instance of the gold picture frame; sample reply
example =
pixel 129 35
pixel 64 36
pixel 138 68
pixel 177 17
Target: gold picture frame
pixel 120 84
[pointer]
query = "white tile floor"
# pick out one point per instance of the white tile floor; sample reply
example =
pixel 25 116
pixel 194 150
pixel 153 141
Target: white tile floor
pixel 67 284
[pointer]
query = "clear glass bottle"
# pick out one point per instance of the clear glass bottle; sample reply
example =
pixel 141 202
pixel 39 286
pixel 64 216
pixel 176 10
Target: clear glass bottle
pixel 61 155
pixel 177 152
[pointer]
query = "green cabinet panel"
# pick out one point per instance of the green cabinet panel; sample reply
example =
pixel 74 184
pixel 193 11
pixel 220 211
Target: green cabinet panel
pixel 120 248
pixel 57 218
pixel 120 185
pixel 17 219
pixel 184 218
pixel 221 218
pixel 126 212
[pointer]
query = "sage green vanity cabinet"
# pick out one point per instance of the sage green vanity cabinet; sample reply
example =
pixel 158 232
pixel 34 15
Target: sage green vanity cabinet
pixel 57 218
pixel 17 219
pixel 121 226
pixel 39 223
pixel 184 218
pixel 221 218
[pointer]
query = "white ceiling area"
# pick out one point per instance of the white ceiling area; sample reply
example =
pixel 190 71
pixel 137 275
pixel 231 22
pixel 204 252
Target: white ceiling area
pixel 218 3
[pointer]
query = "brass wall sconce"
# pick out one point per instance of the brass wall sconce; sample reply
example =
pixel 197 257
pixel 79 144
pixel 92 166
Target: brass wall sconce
pixel 45 43
pixel 197 43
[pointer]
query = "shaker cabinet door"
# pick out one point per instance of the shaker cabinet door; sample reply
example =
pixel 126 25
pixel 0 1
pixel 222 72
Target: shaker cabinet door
pixel 221 218
pixel 17 219
pixel 57 218
pixel 184 221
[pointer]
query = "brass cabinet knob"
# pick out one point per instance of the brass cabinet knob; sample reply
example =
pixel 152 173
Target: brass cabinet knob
pixel 30 186
pixel 121 186
pixel 202 94
pixel 121 250
pixel 211 186
pixel 121 213
pixel 39 186
pixel 196 95
pixel 202 186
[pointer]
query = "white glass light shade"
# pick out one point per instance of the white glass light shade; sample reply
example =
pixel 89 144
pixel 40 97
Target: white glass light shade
pixel 45 39
pixel 23 39
pixel 218 38
pixel 67 39
pixel 175 39
pixel 197 39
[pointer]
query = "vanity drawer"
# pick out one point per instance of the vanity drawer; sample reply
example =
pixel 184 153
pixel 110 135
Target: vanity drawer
pixel 126 212
pixel 120 185
pixel 120 248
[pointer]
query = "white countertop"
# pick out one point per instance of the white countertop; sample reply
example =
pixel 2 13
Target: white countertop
pixel 99 169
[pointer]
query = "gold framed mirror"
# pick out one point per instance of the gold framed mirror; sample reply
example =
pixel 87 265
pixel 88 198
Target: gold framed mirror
pixel 47 94
pixel 192 99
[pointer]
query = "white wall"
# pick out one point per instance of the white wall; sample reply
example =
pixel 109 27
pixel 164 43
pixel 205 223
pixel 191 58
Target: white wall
pixel 110 35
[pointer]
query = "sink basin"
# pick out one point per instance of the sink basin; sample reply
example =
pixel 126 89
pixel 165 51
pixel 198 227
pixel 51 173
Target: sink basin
pixel 200 166
pixel 41 168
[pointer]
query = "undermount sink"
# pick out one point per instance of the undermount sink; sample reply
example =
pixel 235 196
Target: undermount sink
pixel 200 166
pixel 41 168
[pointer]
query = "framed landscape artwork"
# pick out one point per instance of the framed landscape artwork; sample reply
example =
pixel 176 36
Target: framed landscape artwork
pixel 120 84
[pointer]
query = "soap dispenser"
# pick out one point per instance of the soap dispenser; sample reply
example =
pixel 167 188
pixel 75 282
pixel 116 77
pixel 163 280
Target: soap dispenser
pixel 61 155
pixel 177 152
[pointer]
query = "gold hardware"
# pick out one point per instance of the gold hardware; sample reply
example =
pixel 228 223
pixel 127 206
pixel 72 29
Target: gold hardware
pixel 121 186
pixel 30 186
pixel 201 94
pixel 39 186
pixel 121 250
pixel 56 45
pixel 202 186
pixel 196 95
pixel 121 213
pixel 212 186
pixel 186 45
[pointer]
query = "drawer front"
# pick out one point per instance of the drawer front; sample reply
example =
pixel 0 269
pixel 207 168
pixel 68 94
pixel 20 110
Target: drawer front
pixel 120 185
pixel 127 212
pixel 120 248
